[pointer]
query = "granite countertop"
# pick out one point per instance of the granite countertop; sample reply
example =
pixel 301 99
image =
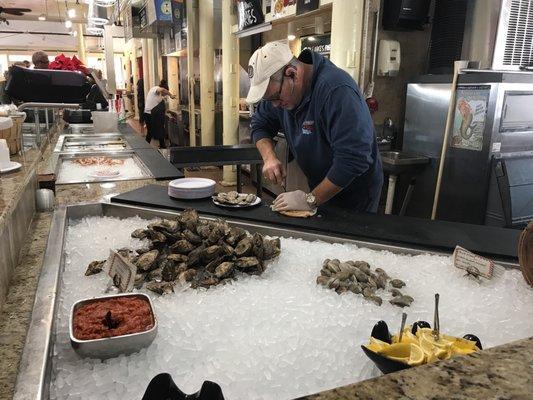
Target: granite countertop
pixel 12 184
pixel 502 372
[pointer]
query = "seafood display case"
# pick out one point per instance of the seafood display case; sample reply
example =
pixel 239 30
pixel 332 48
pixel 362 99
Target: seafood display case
pixel 96 142
pixel 85 167
pixel 40 355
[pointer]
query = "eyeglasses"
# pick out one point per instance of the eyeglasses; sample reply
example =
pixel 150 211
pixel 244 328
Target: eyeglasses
pixel 277 96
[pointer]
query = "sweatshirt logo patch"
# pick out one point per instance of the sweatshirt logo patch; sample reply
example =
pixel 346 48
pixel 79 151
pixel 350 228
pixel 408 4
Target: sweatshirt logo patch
pixel 308 127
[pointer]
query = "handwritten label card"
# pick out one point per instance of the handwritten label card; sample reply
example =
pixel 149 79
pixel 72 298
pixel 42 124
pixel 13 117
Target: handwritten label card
pixel 472 263
pixel 121 271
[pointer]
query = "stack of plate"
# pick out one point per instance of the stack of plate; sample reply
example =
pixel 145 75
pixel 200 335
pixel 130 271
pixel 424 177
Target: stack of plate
pixel 191 188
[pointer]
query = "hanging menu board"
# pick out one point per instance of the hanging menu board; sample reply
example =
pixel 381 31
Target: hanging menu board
pixel 249 13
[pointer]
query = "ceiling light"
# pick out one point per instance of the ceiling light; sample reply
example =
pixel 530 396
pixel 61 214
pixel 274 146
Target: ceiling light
pixel 68 24
pixel 42 17
pixel 311 38
pixel 71 13
pixel 291 37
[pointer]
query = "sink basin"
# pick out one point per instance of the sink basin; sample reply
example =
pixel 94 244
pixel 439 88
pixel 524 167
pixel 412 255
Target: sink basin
pixel 402 158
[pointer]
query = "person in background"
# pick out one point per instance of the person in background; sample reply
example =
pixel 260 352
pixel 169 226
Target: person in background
pixel 26 63
pixel 140 102
pixel 40 60
pixel 326 122
pixel 154 113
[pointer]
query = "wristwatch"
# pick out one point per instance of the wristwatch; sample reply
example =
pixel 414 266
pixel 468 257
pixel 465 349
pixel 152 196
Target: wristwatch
pixel 311 199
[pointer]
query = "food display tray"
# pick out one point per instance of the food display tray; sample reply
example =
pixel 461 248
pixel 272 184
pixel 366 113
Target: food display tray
pixel 58 158
pixel 91 143
pixel 33 381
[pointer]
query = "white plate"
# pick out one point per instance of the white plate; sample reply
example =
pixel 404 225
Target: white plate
pixel 13 165
pixel 192 184
pixel 112 174
pixel 256 202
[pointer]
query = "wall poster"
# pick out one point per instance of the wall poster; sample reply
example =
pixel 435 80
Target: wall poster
pixel 470 116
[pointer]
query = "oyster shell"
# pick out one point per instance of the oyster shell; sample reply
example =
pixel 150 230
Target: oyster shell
pixel 94 267
pixel 146 261
pixel 160 287
pixel 191 237
pixel 234 235
pixel 139 233
pixel 250 265
pixel 224 270
pixel 182 247
pixel 189 219
pixel 244 247
pixel 401 301
pixel 257 246
pixel 397 283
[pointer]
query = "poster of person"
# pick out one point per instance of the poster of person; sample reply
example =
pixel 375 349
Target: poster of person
pixel 469 118
pixel 280 8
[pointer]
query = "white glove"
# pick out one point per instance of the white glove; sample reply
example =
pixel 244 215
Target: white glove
pixel 289 201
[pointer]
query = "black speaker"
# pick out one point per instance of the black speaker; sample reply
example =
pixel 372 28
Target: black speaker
pixel 402 15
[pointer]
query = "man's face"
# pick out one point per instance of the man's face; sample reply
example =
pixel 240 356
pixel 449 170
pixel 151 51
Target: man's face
pixel 284 90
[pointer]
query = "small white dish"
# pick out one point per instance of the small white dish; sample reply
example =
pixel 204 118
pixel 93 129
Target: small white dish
pixel 12 167
pixel 191 188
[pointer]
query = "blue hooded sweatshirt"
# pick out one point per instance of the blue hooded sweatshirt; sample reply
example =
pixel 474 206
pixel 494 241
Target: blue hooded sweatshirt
pixel 331 134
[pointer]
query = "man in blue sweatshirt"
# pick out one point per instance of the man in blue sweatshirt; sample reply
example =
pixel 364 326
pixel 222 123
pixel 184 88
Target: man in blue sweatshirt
pixel 326 123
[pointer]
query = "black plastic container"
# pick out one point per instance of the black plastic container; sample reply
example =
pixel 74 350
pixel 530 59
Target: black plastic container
pixel 77 116
pixel 47 86
pixel 162 387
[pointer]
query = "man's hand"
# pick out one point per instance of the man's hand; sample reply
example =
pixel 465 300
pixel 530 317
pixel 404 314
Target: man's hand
pixel 273 170
pixel 289 201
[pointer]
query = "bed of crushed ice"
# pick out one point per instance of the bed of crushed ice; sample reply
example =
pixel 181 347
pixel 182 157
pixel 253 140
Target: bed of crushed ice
pixel 275 336
pixel 71 171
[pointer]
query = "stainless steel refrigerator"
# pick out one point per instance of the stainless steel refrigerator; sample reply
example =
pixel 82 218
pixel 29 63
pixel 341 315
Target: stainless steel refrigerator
pixel 488 170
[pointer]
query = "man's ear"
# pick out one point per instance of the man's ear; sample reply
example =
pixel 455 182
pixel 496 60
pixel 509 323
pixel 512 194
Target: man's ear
pixel 291 71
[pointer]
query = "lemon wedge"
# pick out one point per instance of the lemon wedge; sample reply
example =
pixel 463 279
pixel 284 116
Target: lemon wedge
pixel 377 345
pixel 407 337
pixel 397 352
pixel 463 346
pixel 417 356
pixel 434 352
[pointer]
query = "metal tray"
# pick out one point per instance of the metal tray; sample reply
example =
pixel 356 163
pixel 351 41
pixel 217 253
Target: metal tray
pixel 116 345
pixel 57 159
pixel 91 143
pixel 75 129
pixel 33 381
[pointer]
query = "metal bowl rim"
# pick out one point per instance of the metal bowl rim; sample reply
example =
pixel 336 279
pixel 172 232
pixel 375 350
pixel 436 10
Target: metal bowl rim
pixel 81 341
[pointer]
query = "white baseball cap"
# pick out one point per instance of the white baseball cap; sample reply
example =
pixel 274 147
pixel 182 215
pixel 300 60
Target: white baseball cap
pixel 264 63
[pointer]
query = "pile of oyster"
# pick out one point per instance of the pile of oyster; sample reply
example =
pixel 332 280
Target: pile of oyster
pixel 357 277
pixel 235 199
pixel 200 252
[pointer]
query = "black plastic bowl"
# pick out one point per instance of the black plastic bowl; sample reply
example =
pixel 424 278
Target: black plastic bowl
pixel 384 364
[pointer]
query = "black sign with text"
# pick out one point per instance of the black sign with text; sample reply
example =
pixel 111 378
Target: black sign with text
pixel 249 13
pixel 304 6
pixel 318 43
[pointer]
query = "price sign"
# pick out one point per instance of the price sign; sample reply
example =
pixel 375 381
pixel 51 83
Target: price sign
pixel 472 263
pixel 121 271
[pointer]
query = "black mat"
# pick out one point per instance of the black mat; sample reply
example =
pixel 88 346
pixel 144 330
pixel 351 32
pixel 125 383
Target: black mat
pixel 158 165
pixel 391 229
